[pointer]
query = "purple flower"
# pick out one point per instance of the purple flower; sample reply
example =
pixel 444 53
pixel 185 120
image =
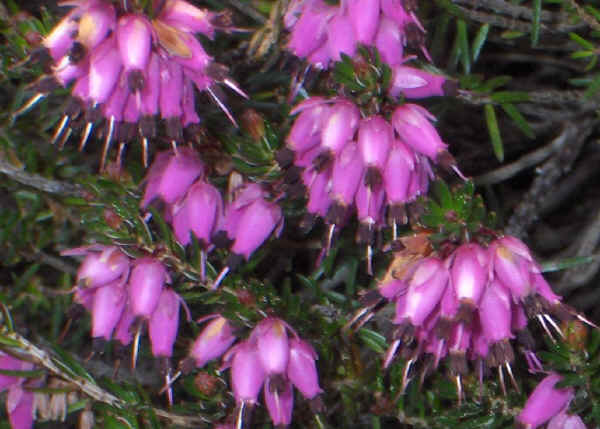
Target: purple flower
pixel 247 373
pixel 375 137
pixel 563 420
pixel 513 265
pixel 102 265
pixel 164 323
pixel 412 123
pixel 302 370
pixel 364 16
pixel 340 37
pixel 197 213
pixel 545 402
pixel 109 302
pixel 280 403
pixel 145 286
pixel 171 175
pixel 468 273
pixel 414 83
pixel 272 345
pixel 19 406
pixel 495 313
pixel 213 341
pixel 183 15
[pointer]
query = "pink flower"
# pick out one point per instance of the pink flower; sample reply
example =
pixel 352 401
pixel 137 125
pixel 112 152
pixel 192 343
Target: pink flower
pixel 302 370
pixel 164 323
pixel 412 123
pixel 102 265
pixel 109 302
pixel 213 341
pixel 272 345
pixel 146 283
pixel 545 402
pixel 247 373
pixel 566 421
pixel 280 403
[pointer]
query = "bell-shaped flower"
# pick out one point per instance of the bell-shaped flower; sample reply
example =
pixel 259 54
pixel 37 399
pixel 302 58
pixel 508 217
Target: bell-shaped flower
pixel 495 313
pixel 468 273
pixel 426 285
pixel 171 175
pixel 102 265
pixel 187 17
pixel 340 37
pixel 214 340
pixel 339 126
pixel 344 185
pixel 412 123
pixel 255 225
pixel 309 32
pixel 146 283
pixel 375 137
pixel 389 42
pixel 545 402
pixel 397 173
pixel 96 24
pixel 280 403
pixel 513 265
pixel 272 344
pixel 197 213
pixel 415 83
pixel 108 305
pixel 60 39
pixel 164 323
pixel 105 69
pixel 302 370
pixel 364 16
pixel 134 38
pixel 247 373
pixel 122 332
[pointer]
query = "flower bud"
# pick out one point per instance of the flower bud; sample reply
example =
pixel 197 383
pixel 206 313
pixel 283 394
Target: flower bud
pixel 309 33
pixel 95 24
pixel 414 83
pixel 255 225
pixel 186 17
pixel 101 267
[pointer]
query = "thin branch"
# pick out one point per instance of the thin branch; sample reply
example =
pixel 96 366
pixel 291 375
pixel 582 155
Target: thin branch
pixel 38 182
pixel 29 351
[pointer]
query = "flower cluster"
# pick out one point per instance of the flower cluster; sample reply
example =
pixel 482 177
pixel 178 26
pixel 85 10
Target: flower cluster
pixel 128 68
pixel 271 361
pixel 19 401
pixel 195 207
pixel 121 293
pixel 320 32
pixel 468 306
pixel 549 403
pixel 390 163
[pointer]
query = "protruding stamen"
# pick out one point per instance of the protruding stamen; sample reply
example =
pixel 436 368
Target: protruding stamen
pixel 501 378
pixel 145 151
pixel 233 85
pixel 394 230
pixel 364 320
pixel 222 106
pixel 329 238
pixel 240 417
pixel 369 260
pixel 119 160
pixel 174 146
pixel 459 388
pixel 86 135
pixel 220 278
pixel 30 103
pixel 107 142
pixel 65 139
pixel 586 321
pixel 168 383
pixel 136 346
pixel 59 130
pixel 540 318
pixel 554 325
pixel 390 353
pixel 355 318
pixel 405 379
pixel 512 377
pixel 459 173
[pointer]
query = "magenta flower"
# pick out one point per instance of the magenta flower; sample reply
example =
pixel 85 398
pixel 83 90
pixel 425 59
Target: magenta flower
pixel 469 274
pixel 19 406
pixel 197 213
pixel 213 341
pixel 545 402
pixel 171 175
pixel 280 403
pixel 102 265
pixel 412 123
pixel 108 305
pixel 247 373
pixel 272 345
pixel 513 265
pixel 563 420
pixel 164 323
pixel 146 283
pixel 302 370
